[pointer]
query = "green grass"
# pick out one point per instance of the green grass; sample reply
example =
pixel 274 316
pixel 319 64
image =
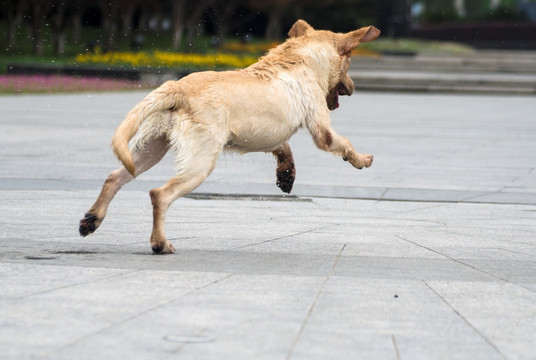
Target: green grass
pixel 6 60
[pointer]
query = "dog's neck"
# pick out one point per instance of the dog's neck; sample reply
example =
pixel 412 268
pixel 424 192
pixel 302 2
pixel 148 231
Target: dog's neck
pixel 291 55
pixel 280 58
pixel 318 60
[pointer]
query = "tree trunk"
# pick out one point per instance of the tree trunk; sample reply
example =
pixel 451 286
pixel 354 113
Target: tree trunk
pixel 59 22
pixel 193 32
pixel 77 27
pixel 143 21
pixel 37 41
pixel 178 23
pixel 223 21
pixel 273 29
pixel 109 23
pixel 11 31
pixel 126 21
pixel 190 35
pixel 401 18
pixel 177 37
pixel 11 26
pixel 39 12
pixel 59 43
pixel 110 30
pixel 186 18
pixel 14 10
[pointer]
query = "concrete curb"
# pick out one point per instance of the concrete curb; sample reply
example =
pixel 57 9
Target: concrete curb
pixel 485 72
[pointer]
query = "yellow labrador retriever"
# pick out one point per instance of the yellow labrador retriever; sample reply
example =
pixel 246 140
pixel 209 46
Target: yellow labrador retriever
pixel 258 108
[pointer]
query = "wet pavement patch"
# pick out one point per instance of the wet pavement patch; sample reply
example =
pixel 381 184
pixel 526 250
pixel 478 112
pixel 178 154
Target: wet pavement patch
pixel 251 197
pixel 188 339
pixel 40 257
pixel 76 252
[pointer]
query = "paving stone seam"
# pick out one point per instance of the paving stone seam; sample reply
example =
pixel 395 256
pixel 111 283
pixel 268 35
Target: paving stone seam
pixel 465 264
pixel 123 273
pixel 138 314
pixel 397 352
pixel 313 304
pixel 484 337
pixel 282 237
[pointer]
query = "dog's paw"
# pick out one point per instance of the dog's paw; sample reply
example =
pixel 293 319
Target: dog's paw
pixel 165 247
pixel 361 161
pixel 88 224
pixel 367 160
pixel 285 180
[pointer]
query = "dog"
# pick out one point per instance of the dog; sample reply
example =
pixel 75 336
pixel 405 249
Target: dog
pixel 256 109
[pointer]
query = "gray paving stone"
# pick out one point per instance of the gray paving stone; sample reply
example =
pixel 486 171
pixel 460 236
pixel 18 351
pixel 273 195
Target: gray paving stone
pixel 428 254
pixel 408 319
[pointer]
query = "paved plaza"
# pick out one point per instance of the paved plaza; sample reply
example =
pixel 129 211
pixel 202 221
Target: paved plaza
pixel 428 254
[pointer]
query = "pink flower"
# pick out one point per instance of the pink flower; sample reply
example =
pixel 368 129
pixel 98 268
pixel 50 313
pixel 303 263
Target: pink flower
pixel 62 83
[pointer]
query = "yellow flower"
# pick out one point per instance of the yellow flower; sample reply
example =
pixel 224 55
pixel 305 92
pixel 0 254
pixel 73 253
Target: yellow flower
pixel 166 59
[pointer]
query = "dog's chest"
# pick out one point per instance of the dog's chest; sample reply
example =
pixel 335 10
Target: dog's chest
pixel 299 94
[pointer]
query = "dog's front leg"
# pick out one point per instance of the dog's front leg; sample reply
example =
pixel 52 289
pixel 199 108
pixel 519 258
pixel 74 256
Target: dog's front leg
pixel 286 171
pixel 327 139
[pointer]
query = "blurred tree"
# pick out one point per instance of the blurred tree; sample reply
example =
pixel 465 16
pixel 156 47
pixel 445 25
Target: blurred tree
pixel 393 17
pixel 477 9
pixel 77 10
pixel 303 9
pixel 275 9
pixel 14 11
pixel 109 10
pixel 58 24
pixel 185 14
pixel 146 10
pixel 337 15
pixel 38 18
pixel 59 19
pixel 128 9
pixel 220 14
pixel 439 11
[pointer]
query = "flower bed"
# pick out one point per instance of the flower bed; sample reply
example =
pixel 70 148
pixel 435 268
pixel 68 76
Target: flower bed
pixel 164 59
pixel 61 83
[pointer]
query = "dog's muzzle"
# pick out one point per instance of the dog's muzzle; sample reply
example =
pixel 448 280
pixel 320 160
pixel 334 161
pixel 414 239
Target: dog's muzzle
pixel 332 99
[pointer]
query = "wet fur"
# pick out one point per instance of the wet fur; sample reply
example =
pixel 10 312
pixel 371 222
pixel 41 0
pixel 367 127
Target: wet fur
pixel 255 109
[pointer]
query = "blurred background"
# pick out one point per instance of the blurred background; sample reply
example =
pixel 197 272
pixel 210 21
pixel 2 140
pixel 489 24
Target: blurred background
pixel 70 37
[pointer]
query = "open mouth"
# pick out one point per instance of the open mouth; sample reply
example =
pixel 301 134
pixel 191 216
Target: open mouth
pixel 332 99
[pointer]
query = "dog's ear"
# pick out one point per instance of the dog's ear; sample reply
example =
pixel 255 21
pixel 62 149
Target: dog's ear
pixel 299 28
pixel 350 40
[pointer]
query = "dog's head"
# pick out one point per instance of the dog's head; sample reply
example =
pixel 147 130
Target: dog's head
pixel 331 52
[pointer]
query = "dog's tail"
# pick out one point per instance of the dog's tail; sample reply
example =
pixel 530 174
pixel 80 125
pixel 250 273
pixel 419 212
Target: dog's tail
pixel 166 97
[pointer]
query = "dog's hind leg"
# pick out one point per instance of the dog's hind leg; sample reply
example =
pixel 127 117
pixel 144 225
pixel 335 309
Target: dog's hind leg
pixel 191 175
pixel 285 171
pixel 143 159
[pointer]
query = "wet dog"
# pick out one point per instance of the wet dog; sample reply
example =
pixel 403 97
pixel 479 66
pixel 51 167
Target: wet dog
pixel 258 108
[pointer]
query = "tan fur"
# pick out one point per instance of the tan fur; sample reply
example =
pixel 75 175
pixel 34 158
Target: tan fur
pixel 255 109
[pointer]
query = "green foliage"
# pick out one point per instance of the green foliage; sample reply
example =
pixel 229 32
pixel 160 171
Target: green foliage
pixel 436 11
pixel 477 9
